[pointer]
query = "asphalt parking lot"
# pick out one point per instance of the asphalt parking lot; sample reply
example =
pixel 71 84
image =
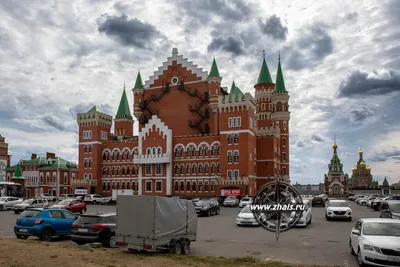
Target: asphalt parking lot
pixel 322 242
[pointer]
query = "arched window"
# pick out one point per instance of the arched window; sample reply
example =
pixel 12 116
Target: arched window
pixel 182 169
pixel 104 186
pixel 188 168
pixel 108 171
pixel 283 141
pixel 213 151
pixel 123 155
pixel 194 168
pixel 182 152
pixel 218 150
pixel 154 150
pixel 284 171
pixel 206 151
pixel 176 152
pixel 159 151
pixel 104 171
pixel 123 170
pixel 148 152
pixel 108 155
pixel 86 149
pixel 188 152
pixel 128 155
pixel 284 157
pixel 212 167
pixel 108 186
pixel 104 156
pixel 194 152
pixel 200 168
pixel 128 170
pixel 176 169
pixel 118 155
pixel 201 151
pixel 134 170
pixel 113 170
pixel 206 171
pixel 219 168
pixel 118 171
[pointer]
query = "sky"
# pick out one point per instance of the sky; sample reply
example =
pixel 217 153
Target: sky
pixel 340 59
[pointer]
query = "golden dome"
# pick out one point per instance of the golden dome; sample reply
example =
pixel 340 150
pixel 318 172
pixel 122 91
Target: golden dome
pixel 368 167
pixel 360 151
pixel 334 145
pixel 362 164
pixel 354 168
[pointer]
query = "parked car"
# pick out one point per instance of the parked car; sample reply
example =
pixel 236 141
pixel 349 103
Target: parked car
pixel 390 209
pixel 306 217
pixel 93 199
pixel 318 201
pixel 338 209
pixel 90 228
pixel 376 242
pixel 6 203
pixel 107 201
pixel 246 217
pixel 207 207
pixel 44 223
pixel 48 197
pixel 231 201
pixel 195 200
pixel 361 198
pixel 369 202
pixel 73 205
pixel 66 196
pixel 30 203
pixel 364 201
pixel 245 201
pixel 376 204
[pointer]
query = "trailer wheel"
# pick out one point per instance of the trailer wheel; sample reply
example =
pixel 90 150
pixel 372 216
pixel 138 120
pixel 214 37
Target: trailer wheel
pixel 186 247
pixel 177 249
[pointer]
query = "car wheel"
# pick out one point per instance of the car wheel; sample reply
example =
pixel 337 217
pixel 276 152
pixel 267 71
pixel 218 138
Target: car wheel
pixel 83 211
pixel 310 220
pixel 16 211
pixel 54 199
pixel 46 235
pixel 186 248
pixel 178 248
pixel 208 213
pixel 351 248
pixel 359 258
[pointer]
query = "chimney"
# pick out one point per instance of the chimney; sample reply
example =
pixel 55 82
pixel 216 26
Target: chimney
pixel 34 156
pixel 50 155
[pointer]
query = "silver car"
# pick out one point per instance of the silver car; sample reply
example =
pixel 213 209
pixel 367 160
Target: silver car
pixel 6 203
pixel 231 201
pixel 30 203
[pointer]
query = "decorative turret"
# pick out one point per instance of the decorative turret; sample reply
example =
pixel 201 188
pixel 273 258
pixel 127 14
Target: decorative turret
pixel 18 173
pixel 123 120
pixel 138 90
pixel 139 82
pixel 235 94
pixel 280 97
pixel 214 85
pixel 354 168
pixel 264 77
pixel 280 82
pixel 385 182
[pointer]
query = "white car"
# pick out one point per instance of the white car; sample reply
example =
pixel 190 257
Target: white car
pixel 245 201
pixel 48 197
pixel 231 201
pixel 6 203
pixel 93 199
pixel 306 216
pixel 376 242
pixel 246 217
pixel 338 209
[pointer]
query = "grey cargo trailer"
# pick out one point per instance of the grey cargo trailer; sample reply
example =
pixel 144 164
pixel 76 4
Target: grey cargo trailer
pixel 151 223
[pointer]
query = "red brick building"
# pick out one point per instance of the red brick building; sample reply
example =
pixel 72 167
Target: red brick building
pixel 361 177
pixel 336 179
pixel 195 138
pixel 5 159
pixel 50 175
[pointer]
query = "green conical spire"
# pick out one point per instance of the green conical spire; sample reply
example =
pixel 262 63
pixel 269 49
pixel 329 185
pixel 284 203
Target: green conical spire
pixel 235 93
pixel 93 109
pixel 139 82
pixel 18 173
pixel 123 109
pixel 214 69
pixel 280 83
pixel 265 76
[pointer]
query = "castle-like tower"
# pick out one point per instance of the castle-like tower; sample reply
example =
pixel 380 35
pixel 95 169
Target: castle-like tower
pixel 196 137
pixel 336 179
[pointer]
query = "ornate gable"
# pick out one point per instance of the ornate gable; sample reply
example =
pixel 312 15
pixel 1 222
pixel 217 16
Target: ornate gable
pixel 184 62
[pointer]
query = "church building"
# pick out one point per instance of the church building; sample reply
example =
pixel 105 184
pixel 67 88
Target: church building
pixel 362 177
pixel 336 179
pixel 196 138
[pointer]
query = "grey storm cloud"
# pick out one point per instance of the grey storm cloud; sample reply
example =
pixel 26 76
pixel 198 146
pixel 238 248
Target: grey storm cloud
pixel 129 32
pixel 228 43
pixel 377 82
pixel 360 114
pixel 310 49
pixel 273 27
pixel 300 143
pixel 317 138
pixel 392 153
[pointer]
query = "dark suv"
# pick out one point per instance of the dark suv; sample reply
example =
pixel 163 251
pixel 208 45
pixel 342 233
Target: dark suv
pixel 318 201
pixel 207 206
pixel 90 228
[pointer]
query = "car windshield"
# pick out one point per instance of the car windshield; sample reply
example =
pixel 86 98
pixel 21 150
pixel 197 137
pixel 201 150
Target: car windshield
pixel 203 202
pixel 338 204
pixel 381 229
pixel 246 210
pixel 230 198
pixel 395 207
pixel 64 202
pixel 29 213
pixel 28 201
pixel 245 199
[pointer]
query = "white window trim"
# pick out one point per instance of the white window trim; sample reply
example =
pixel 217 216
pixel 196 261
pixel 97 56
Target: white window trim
pixel 211 186
pixel 151 185
pixel 159 181
pixel 161 169
pixel 262 106
pixel 284 125
pixel 208 186
pixel 151 170
pixel 194 182
pixel 238 121
pixel 234 173
pixel 227 173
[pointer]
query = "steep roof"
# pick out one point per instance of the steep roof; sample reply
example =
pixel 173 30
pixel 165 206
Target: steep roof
pixel 18 173
pixel 235 93
pixel 123 110
pixel 280 82
pixel 264 76
pixel 139 81
pixel 214 70
pixel 59 163
pixel 93 109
